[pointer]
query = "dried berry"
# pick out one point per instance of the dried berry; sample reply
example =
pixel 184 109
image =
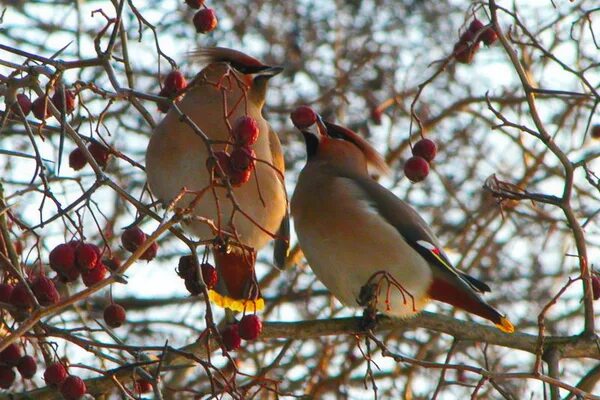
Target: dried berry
pixel 7 376
pixel 73 388
pixel 40 109
pixel 55 374
pixel 114 315
pixel 99 152
pixel 69 100
pixel 132 238
pixel 77 159
pixel 20 297
pixel 187 267
pixel 245 131
pixel 303 117
pixel 242 159
pixel 25 103
pixel 231 337
pixel 150 252
pixel 95 275
pixel 416 168
pixel 209 275
pixel 45 291
pixel 238 178
pixel 250 327
pixel 205 20
pixel 193 286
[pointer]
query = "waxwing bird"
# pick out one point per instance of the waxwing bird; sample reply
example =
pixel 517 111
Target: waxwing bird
pixel 356 234
pixel 248 216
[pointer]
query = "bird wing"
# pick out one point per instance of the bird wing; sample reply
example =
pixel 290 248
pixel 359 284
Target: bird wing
pixel 417 234
pixel 282 241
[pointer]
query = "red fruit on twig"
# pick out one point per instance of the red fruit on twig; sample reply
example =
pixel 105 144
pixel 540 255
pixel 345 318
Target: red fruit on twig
pixel 55 374
pixel 174 82
pixel 209 275
pixel 73 388
pixel 150 252
pixel 416 168
pixel 100 153
pixel 87 255
pixel 45 291
pixel 112 263
pixel 303 117
pixel 205 20
pixel 425 148
pixel 69 100
pixel 475 26
pixel 250 327
pixel 231 337
pixel 242 158
pixel 20 297
pixel 595 286
pixel 77 159
pixel 40 109
pixel 142 386
pixel 95 275
pixel 465 49
pixel 195 4
pixel 245 131
pixel 5 292
pixel 27 367
pixel 114 315
pixel 7 376
pixel 62 257
pixel 132 238
pixel 10 355
pixel 238 178
pixel 25 103
pixel 222 160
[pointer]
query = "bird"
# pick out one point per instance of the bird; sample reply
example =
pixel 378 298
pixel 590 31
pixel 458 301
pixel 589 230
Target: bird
pixel 366 244
pixel 241 219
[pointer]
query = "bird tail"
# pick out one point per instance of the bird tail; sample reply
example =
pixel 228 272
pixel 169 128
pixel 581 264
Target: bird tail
pixel 238 289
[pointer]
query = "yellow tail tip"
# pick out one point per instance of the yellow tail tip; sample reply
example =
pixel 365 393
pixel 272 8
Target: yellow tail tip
pixel 241 305
pixel 505 325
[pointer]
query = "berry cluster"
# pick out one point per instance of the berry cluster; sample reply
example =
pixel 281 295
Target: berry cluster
pixel 237 166
pixel 70 260
pixel 205 20
pixel 188 271
pixel 100 153
pixel 174 83
pixel 11 358
pixel 468 43
pixel 249 328
pixel 63 99
pixel 71 387
pixel 416 168
pixel 133 237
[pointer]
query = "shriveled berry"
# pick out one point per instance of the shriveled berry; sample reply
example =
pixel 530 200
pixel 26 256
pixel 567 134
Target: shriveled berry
pixel 195 4
pixel 55 374
pixel 475 26
pixel 205 20
pixel 62 257
pixel 193 286
pixel 5 292
pixel 416 168
pixel 238 178
pixel 150 252
pixel 114 315
pixel 250 327
pixel 132 238
pixel 7 376
pixel 10 355
pixel 489 36
pixel 425 148
pixel 99 152
pixel 595 131
pixel 59 102
pixel 245 131
pixel 465 49
pixel 231 337
pixel 73 388
pixel 595 287
pixel 40 108
pixel 69 275
pixel 20 297
pixel 162 105
pixel 112 263
pixel 95 275
pixel 45 291
pixel 222 160
pixel 303 117
pixel 142 386
pixel 187 267
pixel 209 275
pixel 25 103
pixel 77 159
pixel 242 158
pixel 27 367
pixel 174 82
pixel 87 255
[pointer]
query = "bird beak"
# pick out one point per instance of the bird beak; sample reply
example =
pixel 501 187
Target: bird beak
pixel 321 128
pixel 268 71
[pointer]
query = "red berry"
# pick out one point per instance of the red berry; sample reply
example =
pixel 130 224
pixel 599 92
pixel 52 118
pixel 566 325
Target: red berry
pixel 77 159
pixel 209 275
pixel 416 168
pixel 595 132
pixel 150 252
pixel 69 100
pixel 250 327
pixel 162 105
pixel 303 117
pixel 55 374
pixel 465 49
pixel 112 263
pixel 99 152
pixel 245 130
pixel 20 297
pixel 24 102
pixel 40 108
pixel 174 82
pixel 231 337
pixel 489 36
pixel 425 148
pixel 73 388
pixel 95 275
pixel 142 386
pixel 7 376
pixel 596 286
pixel 242 158
pixel 195 4
pixel 87 256
pixel 62 257
pixel 11 355
pixel 187 267
pixel 27 367
pixel 5 292
pixel 69 275
pixel 45 291
pixel 475 26
pixel 223 160
pixel 114 315
pixel 238 178
pixel 205 20
pixel 132 238
pixel 193 286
